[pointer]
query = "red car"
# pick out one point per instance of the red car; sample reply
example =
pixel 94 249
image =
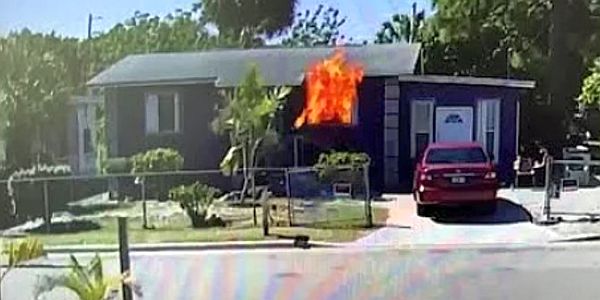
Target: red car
pixel 452 174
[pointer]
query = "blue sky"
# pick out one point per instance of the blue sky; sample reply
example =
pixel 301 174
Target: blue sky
pixel 69 17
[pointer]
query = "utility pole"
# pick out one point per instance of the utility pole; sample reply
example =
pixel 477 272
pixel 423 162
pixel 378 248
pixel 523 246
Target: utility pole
pixel 413 23
pixel 89 28
pixel 90 24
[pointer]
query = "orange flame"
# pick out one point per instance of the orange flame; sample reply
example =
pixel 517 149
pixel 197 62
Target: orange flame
pixel 331 91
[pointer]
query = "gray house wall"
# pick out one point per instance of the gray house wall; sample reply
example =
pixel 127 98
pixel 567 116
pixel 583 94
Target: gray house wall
pixel 200 147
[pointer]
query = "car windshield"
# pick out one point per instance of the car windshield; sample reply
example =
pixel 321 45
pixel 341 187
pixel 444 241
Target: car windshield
pixel 456 156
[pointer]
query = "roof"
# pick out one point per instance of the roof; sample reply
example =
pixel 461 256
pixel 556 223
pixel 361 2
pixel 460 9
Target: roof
pixel 226 68
pixel 467 80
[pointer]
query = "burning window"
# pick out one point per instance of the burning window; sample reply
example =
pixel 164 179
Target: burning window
pixel 331 92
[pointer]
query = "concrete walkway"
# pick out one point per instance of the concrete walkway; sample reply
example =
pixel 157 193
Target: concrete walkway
pixel 510 224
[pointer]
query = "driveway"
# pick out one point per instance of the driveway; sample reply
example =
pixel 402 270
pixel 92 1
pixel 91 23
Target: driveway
pixel 510 224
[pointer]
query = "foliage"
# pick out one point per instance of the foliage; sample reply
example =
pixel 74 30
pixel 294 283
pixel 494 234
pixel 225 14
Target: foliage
pixel 156 160
pixel 590 91
pixel 39 71
pixel 401 29
pixel 20 252
pixel 143 33
pixel 246 117
pixel 196 200
pixel 87 282
pixel 343 166
pixel 117 165
pixel 316 28
pixel 525 39
pixel 249 19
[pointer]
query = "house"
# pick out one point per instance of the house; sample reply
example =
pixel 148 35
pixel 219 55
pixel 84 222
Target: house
pixel 163 100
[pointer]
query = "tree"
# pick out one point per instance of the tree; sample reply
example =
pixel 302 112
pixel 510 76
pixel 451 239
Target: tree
pixel 401 28
pixel 249 19
pixel 38 74
pixel 143 33
pixel 246 118
pixel 316 28
pixel 545 40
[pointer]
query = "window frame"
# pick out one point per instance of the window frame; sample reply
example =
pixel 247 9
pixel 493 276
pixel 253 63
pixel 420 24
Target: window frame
pixel 177 111
pixel 430 102
pixel 482 129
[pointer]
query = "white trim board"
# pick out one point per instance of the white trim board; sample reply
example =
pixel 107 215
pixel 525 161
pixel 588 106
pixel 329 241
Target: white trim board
pixel 465 80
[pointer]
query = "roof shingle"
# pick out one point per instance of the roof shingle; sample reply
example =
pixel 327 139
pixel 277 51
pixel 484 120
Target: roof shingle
pixel 226 68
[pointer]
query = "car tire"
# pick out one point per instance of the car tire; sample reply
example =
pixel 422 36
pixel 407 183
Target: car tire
pixel 423 210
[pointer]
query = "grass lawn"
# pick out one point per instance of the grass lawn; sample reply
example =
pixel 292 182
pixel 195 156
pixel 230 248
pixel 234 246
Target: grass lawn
pixel 343 223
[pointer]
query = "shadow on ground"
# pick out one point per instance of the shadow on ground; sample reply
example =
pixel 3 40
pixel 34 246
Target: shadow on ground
pixel 507 212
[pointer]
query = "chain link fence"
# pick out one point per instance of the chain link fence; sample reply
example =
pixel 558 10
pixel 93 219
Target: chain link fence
pixel 293 197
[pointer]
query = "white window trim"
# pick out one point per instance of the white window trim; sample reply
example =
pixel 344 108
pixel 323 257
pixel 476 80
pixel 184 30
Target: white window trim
pixel 481 125
pixel 177 112
pixel 413 131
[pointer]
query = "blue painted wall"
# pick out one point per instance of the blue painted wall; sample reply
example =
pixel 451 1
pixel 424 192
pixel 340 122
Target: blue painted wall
pixel 461 95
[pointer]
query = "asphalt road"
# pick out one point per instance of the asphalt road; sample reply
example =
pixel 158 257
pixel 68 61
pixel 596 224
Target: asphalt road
pixel 554 271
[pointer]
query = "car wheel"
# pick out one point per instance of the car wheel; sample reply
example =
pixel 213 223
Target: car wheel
pixel 423 210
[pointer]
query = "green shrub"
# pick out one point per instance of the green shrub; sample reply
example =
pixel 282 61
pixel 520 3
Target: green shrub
pixel 342 166
pixel 196 200
pixel 118 165
pixel 157 160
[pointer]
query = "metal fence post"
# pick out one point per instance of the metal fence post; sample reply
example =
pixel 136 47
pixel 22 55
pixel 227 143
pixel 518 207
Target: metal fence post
pixel 47 207
pixel 124 256
pixel 548 189
pixel 369 214
pixel 265 212
pixel 144 206
pixel 288 191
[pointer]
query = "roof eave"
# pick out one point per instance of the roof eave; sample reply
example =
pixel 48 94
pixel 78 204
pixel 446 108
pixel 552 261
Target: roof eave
pixel 161 82
pixel 468 80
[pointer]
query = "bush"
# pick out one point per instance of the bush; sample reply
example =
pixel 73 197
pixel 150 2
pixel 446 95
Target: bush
pixel 157 160
pixel 196 200
pixel 342 166
pixel 118 165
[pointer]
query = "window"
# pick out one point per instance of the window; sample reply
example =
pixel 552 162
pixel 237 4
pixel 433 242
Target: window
pixel 421 126
pixel 456 156
pixel 163 113
pixel 488 125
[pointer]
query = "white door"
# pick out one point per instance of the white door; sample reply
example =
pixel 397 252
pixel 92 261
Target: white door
pixel 454 124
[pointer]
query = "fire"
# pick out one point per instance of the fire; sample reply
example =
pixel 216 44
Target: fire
pixel 331 91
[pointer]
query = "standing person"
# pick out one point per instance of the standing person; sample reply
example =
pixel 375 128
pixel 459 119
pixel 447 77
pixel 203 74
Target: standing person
pixel 539 167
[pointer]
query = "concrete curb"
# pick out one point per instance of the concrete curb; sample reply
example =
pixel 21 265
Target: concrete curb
pixel 287 244
pixel 579 238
